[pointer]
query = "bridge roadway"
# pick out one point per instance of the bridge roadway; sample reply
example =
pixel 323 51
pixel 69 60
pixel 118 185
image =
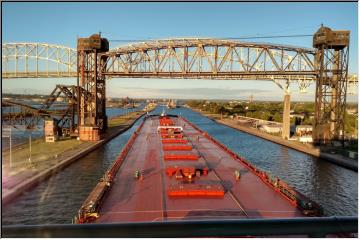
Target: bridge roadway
pixel 130 199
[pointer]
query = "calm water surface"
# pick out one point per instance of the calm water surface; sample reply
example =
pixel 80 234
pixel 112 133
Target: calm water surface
pixel 57 199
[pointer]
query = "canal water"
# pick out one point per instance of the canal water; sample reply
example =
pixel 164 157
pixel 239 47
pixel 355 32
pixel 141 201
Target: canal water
pixel 57 199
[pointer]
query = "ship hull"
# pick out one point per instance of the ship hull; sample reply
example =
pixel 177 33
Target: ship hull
pixel 213 183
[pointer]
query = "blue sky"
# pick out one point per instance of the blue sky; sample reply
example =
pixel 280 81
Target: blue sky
pixel 62 23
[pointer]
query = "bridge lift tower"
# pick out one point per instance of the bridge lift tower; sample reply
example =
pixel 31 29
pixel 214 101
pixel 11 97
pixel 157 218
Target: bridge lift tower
pixel 92 120
pixel 331 63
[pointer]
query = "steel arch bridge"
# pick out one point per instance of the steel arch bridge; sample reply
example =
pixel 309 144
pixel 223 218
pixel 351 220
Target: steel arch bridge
pixel 37 60
pixel 92 63
pixel 172 58
pixel 210 59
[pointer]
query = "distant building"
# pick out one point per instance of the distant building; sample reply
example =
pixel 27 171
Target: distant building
pixel 301 116
pixel 306 139
pixel 251 98
pixel 271 128
pixel 303 130
pixel 304 133
pixel 352 111
pixel 244 121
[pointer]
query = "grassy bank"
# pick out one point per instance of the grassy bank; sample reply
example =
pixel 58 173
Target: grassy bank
pixel 121 120
pixel 303 112
pixel 44 154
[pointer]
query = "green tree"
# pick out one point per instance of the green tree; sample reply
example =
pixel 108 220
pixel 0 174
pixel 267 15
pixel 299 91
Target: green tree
pixel 277 117
pixel 350 123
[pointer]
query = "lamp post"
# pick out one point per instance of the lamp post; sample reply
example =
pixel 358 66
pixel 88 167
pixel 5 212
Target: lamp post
pixel 30 147
pixel 10 149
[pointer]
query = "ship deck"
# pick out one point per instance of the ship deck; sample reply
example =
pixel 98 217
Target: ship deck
pixel 132 200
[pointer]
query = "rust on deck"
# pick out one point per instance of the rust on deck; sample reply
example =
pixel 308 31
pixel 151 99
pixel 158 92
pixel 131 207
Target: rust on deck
pixel 182 173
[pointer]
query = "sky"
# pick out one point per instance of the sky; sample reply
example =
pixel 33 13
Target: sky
pixel 62 23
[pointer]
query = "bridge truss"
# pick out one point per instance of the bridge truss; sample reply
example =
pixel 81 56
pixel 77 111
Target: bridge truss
pixel 210 59
pixel 37 60
pixel 92 63
pixel 176 58
pixel 61 105
pixel 15 113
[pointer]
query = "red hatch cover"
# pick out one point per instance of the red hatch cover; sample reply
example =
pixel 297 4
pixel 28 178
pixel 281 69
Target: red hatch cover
pixel 174 157
pixel 177 147
pixel 196 190
pixel 166 121
pixel 174 141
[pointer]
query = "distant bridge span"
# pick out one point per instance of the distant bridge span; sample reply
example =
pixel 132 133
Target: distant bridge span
pixel 92 63
pixel 38 60
pixel 210 59
pixel 174 58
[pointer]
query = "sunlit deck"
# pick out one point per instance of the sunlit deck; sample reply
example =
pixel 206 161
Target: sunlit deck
pixel 130 199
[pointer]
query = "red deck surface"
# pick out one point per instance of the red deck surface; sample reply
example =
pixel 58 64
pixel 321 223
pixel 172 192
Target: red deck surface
pixel 131 200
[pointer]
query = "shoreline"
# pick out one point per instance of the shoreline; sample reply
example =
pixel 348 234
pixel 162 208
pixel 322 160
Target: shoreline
pixel 31 181
pixel 315 152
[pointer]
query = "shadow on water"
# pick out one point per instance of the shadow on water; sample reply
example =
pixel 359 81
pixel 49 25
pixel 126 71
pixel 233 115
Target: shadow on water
pixel 57 199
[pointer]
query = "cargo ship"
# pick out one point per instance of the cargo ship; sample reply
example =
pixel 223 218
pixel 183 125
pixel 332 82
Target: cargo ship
pixel 170 170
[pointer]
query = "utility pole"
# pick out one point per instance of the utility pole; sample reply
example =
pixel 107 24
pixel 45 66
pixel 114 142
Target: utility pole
pixel 10 151
pixel 30 147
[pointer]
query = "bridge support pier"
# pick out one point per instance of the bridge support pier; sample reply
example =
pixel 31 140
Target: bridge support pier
pixel 286 116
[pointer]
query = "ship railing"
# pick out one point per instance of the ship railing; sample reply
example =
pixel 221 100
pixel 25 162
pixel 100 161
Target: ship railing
pixel 89 210
pixel 302 227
